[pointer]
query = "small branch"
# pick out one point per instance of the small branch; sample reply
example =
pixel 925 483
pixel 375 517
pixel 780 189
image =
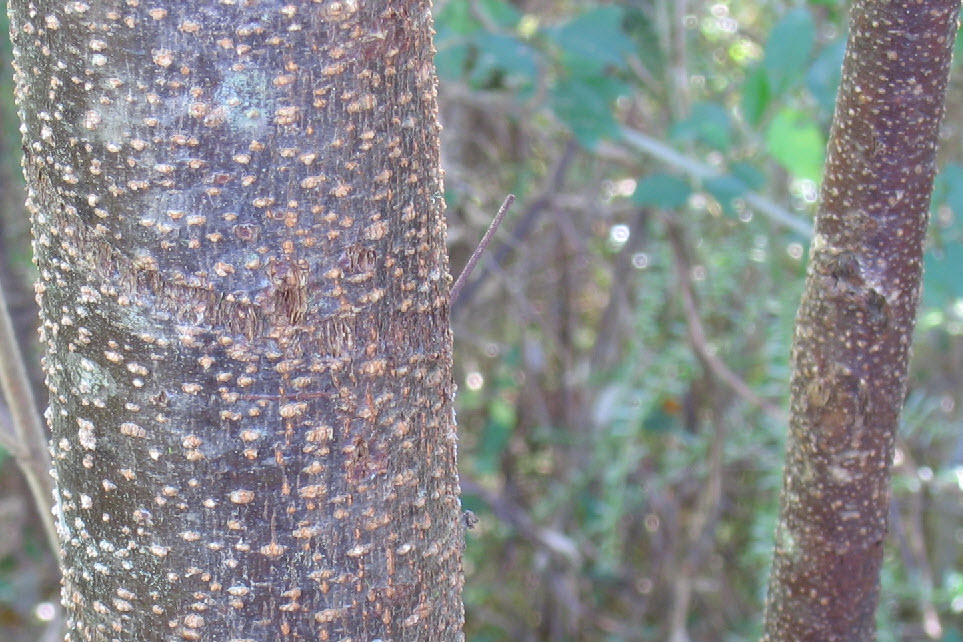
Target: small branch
pixel 697 336
pixel 912 536
pixel 24 436
pixel 524 224
pixel 640 142
pixel 679 82
pixel 476 255
pixel 611 326
pixel 702 532
pixel 553 541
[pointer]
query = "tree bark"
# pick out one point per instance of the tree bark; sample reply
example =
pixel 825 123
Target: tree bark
pixel 244 287
pixel 856 320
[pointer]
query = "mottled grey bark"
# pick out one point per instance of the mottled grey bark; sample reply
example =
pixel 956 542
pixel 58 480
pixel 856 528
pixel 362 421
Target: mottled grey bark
pixel 244 288
pixel 856 320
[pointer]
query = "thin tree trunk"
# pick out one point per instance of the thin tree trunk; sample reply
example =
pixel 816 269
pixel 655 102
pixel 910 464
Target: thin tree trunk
pixel 244 288
pixel 856 320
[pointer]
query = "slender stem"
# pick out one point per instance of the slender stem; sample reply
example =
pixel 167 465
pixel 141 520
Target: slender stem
pixel 476 255
pixel 640 142
pixel 697 336
pixel 25 437
pixel 537 206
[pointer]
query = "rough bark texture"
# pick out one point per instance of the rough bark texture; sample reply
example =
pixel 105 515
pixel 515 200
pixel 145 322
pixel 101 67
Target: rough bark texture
pixel 856 319
pixel 244 288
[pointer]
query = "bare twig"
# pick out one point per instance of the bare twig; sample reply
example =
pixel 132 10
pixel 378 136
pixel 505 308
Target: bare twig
pixel 554 541
pixel 679 82
pixel 524 224
pixel 24 437
pixel 697 336
pixel 912 537
pixel 702 532
pixel 486 239
pixel 611 327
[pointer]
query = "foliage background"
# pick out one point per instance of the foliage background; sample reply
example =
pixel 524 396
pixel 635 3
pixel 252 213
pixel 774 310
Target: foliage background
pixel 622 350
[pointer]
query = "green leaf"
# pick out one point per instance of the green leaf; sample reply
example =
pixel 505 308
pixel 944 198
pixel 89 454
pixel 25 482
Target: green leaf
pixel 941 276
pixel 593 40
pixel 948 189
pixel 708 122
pixel 755 96
pixel 505 55
pixel 584 105
pixel 659 420
pixel 451 61
pixel 797 143
pixel 475 504
pixel 824 75
pixel 944 263
pixel 835 12
pixel 501 13
pixel 724 189
pixel 644 34
pixel 749 174
pixel 663 191
pixel 455 19
pixel 788 48
pixel 495 438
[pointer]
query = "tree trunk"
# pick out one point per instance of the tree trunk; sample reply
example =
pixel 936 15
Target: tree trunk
pixel 856 321
pixel 244 287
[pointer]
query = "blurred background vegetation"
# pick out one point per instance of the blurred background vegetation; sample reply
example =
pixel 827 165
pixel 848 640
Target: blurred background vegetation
pixel 622 350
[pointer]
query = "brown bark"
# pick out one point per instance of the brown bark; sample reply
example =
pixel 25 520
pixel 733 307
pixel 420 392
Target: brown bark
pixel 856 320
pixel 244 289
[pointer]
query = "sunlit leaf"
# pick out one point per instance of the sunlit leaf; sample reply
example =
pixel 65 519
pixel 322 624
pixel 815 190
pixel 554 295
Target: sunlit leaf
pixel 755 96
pixel 797 143
pixel 498 432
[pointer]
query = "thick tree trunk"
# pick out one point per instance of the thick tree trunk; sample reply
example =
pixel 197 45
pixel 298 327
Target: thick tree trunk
pixel 244 289
pixel 856 320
